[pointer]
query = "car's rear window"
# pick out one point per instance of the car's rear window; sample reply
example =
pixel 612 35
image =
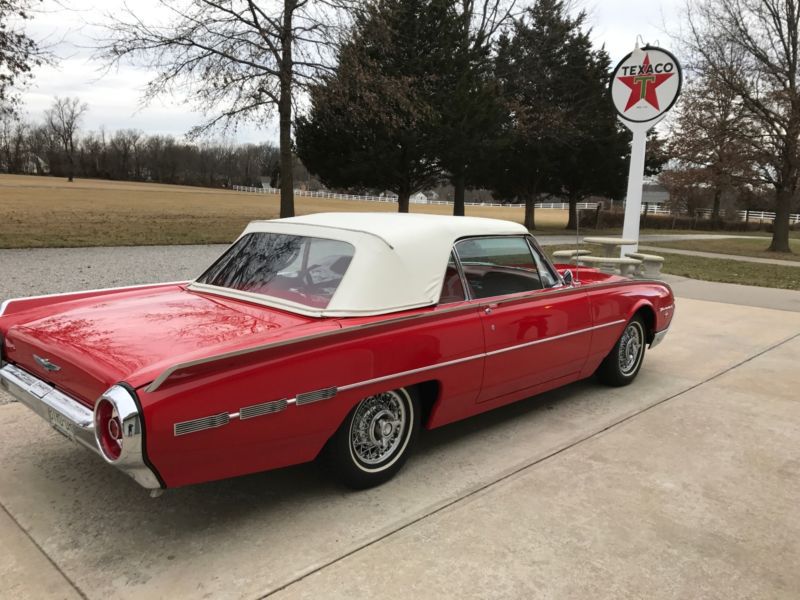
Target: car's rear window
pixel 306 270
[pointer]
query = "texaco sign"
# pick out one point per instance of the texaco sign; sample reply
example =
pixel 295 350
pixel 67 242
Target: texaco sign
pixel 645 84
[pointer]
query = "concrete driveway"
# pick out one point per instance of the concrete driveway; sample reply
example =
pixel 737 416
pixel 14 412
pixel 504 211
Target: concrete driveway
pixel 684 484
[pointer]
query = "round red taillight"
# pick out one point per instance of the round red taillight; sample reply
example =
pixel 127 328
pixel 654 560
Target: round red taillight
pixel 108 429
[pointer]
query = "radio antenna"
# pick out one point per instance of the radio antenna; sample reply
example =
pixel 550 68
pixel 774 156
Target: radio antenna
pixel 577 240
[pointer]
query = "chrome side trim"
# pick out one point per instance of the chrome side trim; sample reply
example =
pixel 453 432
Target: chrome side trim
pixel 274 406
pixel 448 363
pixel 159 381
pixel 7 302
pixel 553 338
pixel 201 424
pixel 265 408
pixel 315 396
pixel 167 373
pixel 350 386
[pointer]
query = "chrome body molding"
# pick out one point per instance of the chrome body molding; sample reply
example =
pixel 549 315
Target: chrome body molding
pixel 266 408
pixel 315 396
pixel 448 363
pixel 201 424
pixel 463 307
pixel 555 337
pixel 76 422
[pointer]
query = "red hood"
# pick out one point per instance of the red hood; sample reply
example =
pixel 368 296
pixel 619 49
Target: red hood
pixel 133 336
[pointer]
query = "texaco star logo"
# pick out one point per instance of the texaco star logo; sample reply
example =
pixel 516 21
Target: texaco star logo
pixel 645 84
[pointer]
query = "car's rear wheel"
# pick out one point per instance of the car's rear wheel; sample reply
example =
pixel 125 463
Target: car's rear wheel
pixel 622 364
pixel 375 439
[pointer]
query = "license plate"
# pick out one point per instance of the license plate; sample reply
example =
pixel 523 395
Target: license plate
pixel 61 424
pixel 40 389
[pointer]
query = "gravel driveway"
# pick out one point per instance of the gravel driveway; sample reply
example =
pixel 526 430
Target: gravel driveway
pixel 30 272
pixel 38 271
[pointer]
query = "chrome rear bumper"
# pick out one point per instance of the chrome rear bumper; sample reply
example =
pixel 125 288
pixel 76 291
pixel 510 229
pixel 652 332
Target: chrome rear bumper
pixel 75 421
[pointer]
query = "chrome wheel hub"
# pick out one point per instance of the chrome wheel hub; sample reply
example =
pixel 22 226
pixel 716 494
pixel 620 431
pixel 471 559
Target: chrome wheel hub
pixel 630 348
pixel 378 427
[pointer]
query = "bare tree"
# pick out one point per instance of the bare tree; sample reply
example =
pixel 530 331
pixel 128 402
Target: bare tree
pixel 238 59
pixel 714 139
pixel 752 47
pixel 62 119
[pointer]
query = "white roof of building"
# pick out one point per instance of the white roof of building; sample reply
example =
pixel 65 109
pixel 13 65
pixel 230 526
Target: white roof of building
pixel 399 262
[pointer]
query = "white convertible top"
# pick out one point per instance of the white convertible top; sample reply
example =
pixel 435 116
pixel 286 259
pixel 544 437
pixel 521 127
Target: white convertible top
pixel 399 262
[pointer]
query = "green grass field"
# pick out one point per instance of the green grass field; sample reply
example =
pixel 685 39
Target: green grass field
pixel 38 212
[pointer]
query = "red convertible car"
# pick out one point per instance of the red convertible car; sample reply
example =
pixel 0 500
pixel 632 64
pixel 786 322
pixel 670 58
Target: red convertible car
pixel 339 335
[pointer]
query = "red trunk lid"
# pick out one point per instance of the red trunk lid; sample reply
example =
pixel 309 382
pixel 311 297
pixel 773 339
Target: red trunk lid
pixel 92 344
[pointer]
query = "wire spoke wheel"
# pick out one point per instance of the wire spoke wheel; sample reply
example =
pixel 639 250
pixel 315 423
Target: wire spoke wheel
pixel 375 439
pixel 378 428
pixel 630 348
pixel 623 362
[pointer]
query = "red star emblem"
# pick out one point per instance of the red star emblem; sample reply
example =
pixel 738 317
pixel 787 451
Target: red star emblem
pixel 643 86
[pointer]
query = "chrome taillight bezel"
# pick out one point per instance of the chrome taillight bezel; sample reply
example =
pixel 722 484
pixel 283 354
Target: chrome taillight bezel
pixel 126 412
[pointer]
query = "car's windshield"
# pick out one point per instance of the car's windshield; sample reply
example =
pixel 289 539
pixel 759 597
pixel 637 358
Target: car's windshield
pixel 306 270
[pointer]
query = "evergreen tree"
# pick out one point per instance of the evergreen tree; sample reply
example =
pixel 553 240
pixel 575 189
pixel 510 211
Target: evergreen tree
pixel 372 123
pixel 563 137
pixel 471 114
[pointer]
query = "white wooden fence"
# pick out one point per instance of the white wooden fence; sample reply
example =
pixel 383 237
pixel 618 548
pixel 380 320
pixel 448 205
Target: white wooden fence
pixel 753 216
pixel 334 195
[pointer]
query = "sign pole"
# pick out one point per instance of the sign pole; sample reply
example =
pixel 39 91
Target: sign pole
pixel 633 198
pixel 644 86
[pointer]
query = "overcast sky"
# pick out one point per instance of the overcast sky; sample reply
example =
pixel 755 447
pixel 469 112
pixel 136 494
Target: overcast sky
pixel 114 98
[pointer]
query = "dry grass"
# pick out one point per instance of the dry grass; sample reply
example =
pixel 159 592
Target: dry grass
pixel 50 212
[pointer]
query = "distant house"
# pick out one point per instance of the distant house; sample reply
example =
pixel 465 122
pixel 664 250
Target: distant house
pixel 419 198
pixel 654 193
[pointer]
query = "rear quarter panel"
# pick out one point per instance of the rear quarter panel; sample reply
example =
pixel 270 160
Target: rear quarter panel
pixel 298 433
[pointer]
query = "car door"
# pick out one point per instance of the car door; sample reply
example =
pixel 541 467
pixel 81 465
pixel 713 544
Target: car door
pixel 536 330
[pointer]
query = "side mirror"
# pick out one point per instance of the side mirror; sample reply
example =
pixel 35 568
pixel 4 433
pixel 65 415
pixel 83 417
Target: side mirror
pixel 567 277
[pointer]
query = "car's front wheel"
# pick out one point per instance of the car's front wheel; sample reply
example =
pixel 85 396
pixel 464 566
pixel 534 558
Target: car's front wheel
pixel 375 439
pixel 622 364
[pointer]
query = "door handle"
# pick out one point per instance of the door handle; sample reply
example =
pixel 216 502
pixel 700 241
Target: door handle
pixel 487 310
